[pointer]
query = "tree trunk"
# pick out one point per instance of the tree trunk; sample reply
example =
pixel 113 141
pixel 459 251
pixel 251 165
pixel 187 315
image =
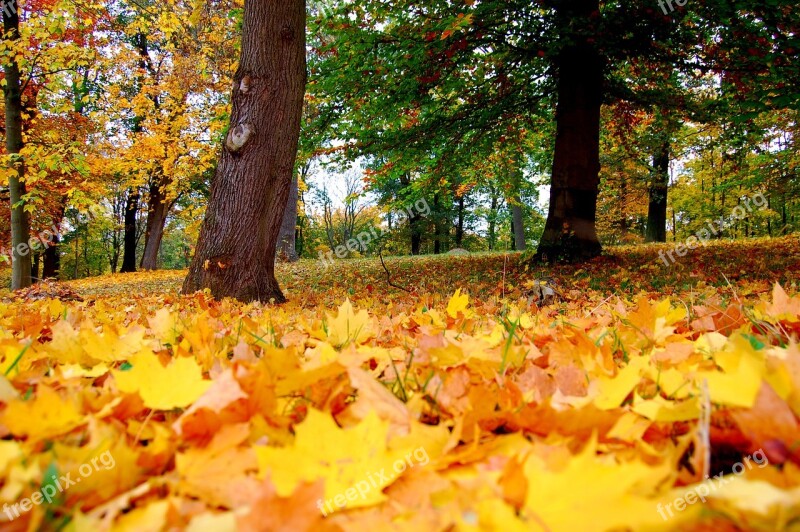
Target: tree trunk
pixel 129 244
pixel 52 259
pixel 437 226
pixel 288 234
pixel 414 221
pixel 460 222
pixel 235 254
pixel 20 223
pixel 570 232
pixel 656 229
pixel 157 210
pixel 518 224
pixel 77 254
pixel 493 220
pixel 35 267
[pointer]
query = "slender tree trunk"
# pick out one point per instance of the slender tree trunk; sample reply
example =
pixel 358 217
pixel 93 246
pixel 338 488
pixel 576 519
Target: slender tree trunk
pixel 493 220
pixel 570 232
pixel 35 267
pixel 129 240
pixel 235 254
pixel 157 210
pixel 414 222
pixel 20 224
pixel 674 227
pixel 288 234
pixel 460 222
pixel 52 259
pixel 437 226
pixel 77 253
pixel 784 220
pixel 656 229
pixel 519 225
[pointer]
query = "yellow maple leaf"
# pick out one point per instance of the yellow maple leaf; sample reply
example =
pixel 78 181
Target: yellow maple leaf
pixel 660 409
pixel 163 388
pixel 592 492
pixel 349 326
pixel 741 376
pixel 458 303
pixel 152 517
pixel 7 390
pixel 165 326
pixel 614 390
pixel 355 463
pixel 45 416
pixel 9 452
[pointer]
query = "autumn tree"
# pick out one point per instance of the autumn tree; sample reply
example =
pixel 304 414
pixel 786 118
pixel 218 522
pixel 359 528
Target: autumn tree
pixel 235 254
pixel 409 77
pixel 20 223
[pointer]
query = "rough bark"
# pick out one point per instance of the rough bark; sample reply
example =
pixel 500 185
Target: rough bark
pixel 235 254
pixel 288 234
pixel 570 233
pixel 129 243
pixel 656 228
pixel 20 223
pixel 157 211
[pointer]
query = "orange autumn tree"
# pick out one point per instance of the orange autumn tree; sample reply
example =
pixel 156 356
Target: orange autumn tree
pixel 169 73
pixel 45 125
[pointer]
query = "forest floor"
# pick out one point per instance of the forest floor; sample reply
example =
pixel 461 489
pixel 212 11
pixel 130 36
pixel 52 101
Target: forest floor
pixel 639 396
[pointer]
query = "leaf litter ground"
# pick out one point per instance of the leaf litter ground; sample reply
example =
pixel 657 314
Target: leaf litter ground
pixel 639 397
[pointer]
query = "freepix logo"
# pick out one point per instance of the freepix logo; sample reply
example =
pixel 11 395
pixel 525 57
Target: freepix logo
pixel 704 489
pixel 362 239
pixel 9 7
pixel 57 485
pixel 42 240
pixel 715 228
pixel 375 480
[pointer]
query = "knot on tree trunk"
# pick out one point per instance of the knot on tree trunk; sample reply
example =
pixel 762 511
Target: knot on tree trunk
pixel 238 137
pixel 287 33
pixel 245 84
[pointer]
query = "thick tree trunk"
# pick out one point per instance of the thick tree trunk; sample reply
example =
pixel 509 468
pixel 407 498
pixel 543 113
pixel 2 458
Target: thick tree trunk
pixel 656 228
pixel 286 239
pixel 20 224
pixel 570 232
pixel 129 240
pixel 157 211
pixel 235 254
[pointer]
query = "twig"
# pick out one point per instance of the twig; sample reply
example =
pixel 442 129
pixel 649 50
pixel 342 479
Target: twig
pixel 388 275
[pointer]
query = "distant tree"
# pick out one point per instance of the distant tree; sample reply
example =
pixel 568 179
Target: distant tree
pixel 425 86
